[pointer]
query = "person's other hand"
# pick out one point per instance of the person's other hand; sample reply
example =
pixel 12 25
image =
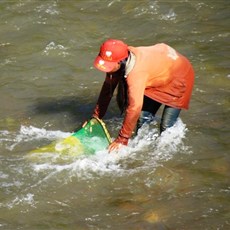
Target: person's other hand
pixel 117 144
pixel 114 146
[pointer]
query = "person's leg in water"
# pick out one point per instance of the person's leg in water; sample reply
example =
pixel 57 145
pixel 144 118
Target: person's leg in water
pixel 169 117
pixel 149 109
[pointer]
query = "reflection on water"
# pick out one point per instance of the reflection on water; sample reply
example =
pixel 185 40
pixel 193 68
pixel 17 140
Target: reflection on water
pixel 49 87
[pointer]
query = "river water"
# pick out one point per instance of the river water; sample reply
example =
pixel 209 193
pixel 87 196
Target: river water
pixel 49 87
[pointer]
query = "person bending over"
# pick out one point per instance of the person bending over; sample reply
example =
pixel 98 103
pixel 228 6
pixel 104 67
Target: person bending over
pixel 147 77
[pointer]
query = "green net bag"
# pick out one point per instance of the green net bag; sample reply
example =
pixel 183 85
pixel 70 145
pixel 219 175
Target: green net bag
pixel 91 138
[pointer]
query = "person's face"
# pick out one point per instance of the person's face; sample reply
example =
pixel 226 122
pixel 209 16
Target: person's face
pixel 116 68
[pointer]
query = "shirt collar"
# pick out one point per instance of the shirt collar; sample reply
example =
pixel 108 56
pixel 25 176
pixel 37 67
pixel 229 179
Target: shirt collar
pixel 130 64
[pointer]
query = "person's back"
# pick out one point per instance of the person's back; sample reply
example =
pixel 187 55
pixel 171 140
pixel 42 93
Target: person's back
pixel 168 74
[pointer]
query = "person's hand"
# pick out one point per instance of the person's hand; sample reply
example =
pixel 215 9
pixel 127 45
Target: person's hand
pixel 114 146
pixel 117 144
pixel 85 122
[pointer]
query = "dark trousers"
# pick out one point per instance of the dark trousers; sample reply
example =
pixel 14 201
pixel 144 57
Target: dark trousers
pixel 149 110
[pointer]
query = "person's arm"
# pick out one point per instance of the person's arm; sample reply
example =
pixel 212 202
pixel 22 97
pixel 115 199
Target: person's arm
pixel 105 96
pixel 136 87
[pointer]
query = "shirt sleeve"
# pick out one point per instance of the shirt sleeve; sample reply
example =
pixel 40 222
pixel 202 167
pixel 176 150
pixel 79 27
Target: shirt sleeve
pixel 136 88
pixel 105 95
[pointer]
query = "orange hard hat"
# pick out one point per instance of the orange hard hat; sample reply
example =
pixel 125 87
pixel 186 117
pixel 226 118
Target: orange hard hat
pixel 111 52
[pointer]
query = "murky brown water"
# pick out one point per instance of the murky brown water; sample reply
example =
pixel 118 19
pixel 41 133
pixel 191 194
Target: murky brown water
pixel 49 87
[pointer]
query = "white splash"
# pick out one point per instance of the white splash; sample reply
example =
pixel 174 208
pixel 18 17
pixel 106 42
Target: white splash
pixel 26 134
pixel 55 49
pixel 31 133
pixel 170 16
pixel 171 142
pixel 147 147
pixel 20 200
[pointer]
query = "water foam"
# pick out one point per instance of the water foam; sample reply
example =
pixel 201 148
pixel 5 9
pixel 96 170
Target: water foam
pixel 31 133
pixel 147 149
pixel 28 134
pixel 20 200
pixel 55 49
